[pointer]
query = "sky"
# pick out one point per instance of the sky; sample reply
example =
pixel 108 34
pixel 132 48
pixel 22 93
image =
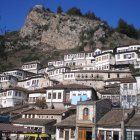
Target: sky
pixel 13 12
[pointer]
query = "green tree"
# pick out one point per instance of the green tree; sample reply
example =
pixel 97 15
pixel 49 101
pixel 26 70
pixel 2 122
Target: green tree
pixel 2 47
pixel 59 10
pixel 90 15
pixel 125 28
pixel 74 11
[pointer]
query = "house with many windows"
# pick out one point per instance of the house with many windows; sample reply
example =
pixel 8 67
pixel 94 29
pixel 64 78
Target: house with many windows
pixel 128 55
pixel 61 96
pixel 7 81
pixel 37 81
pixel 13 96
pixel 18 73
pixel 33 66
pixel 94 78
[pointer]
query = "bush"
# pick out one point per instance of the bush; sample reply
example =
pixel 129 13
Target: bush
pixel 74 11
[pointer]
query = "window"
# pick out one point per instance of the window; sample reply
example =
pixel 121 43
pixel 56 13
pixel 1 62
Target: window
pixel 129 135
pixel 54 95
pixel 118 75
pixel 15 93
pixel 133 55
pixel 108 75
pixel 124 86
pixel 72 133
pixel 61 133
pixel 49 95
pixel 125 56
pixel 85 114
pixel 118 56
pixel 131 86
pixel 59 95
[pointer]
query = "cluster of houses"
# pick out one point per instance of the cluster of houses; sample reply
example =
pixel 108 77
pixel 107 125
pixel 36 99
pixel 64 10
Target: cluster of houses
pixel 87 95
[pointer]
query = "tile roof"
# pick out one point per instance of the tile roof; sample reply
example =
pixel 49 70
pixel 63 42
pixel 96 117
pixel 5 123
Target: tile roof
pixel 113 118
pixel 134 121
pixel 69 122
pixel 112 85
pixel 110 91
pixel 123 80
pixel 32 121
pixel 15 129
pixel 46 112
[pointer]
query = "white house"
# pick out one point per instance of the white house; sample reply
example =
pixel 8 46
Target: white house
pixel 12 97
pixel 33 66
pixel 57 63
pixel 61 96
pixel 104 60
pixel 7 81
pixel 128 92
pixel 18 73
pixel 36 82
pixel 36 94
pixel 128 55
pixel 56 73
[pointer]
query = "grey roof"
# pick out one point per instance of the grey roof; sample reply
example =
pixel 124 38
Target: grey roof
pixel 68 122
pixel 134 122
pixel 91 102
pixel 113 118
pixel 32 121
pixel 110 91
pixel 123 80
pixel 46 111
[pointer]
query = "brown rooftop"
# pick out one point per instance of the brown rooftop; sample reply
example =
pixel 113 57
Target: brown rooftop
pixel 113 118
pixel 32 121
pixel 46 112
pixel 110 91
pixel 15 129
pixel 69 122
pixel 134 121
pixel 123 80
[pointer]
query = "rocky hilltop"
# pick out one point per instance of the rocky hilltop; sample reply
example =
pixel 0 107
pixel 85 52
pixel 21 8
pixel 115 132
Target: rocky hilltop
pixel 47 30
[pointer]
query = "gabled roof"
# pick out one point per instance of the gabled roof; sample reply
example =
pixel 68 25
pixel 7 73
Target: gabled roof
pixel 122 80
pixel 134 122
pixel 68 122
pixel 15 129
pixel 32 121
pixel 46 112
pixel 113 118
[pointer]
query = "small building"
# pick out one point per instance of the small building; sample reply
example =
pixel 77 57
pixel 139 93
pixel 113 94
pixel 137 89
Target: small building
pixel 66 129
pixel 87 116
pixel 110 126
pixel 33 66
pixel 18 73
pixel 66 95
pixel 37 81
pixel 12 97
pixel 7 81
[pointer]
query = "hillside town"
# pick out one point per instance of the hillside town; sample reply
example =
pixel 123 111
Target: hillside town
pixel 85 96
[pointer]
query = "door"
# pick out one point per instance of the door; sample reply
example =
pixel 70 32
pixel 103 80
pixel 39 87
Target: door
pixel 81 135
pixel 66 135
pixel 84 135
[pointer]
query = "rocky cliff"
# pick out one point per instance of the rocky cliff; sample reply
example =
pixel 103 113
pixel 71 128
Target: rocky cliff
pixel 47 30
